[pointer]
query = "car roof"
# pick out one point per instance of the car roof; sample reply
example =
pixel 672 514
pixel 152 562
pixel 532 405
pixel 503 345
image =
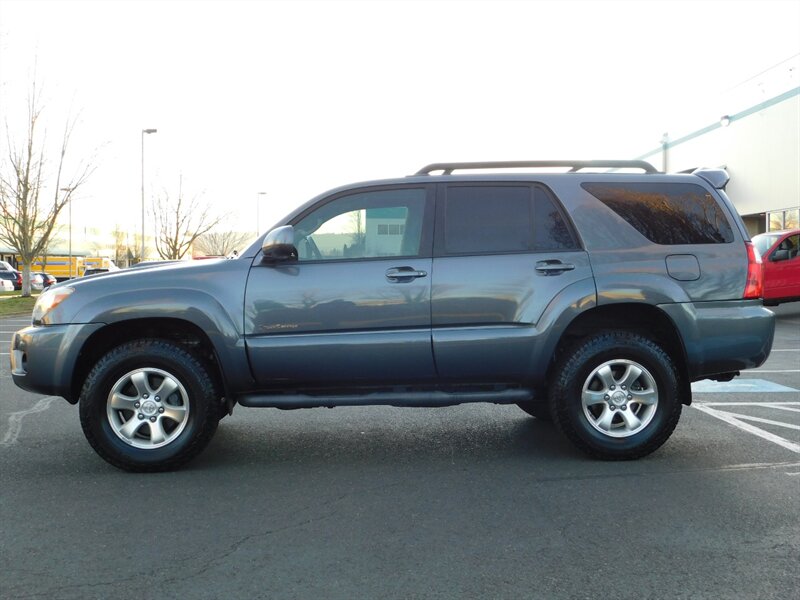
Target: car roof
pixel 781 232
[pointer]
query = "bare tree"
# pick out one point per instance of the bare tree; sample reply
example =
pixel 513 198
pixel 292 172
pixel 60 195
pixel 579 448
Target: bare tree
pixel 133 250
pixel 179 222
pixel 27 216
pixel 120 247
pixel 221 243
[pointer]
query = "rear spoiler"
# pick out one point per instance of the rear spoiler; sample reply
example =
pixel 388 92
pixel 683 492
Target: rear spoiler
pixel 718 178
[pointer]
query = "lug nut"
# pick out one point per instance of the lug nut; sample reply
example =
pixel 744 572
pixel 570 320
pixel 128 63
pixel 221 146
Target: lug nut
pixel 613 387
pixel 624 406
pixel 161 409
pixel 145 396
pixel 612 407
pixel 141 416
pixel 152 419
pixel 630 397
pixel 623 387
pixel 158 398
pixel 606 397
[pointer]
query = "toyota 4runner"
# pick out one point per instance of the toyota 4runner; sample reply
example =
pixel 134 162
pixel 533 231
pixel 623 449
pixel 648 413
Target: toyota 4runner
pixel 591 295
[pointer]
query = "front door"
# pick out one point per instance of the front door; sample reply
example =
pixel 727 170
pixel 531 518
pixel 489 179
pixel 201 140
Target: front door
pixel 355 307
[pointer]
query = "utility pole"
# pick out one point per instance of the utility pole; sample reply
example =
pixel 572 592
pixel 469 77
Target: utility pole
pixel 148 131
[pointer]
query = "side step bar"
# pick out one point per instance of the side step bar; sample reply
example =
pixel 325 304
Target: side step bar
pixel 431 398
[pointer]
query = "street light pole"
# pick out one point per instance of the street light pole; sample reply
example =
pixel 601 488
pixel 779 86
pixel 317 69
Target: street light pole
pixel 258 212
pixel 69 202
pixel 148 131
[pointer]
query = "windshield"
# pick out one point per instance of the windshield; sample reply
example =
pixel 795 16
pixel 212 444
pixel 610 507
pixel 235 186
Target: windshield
pixel 764 241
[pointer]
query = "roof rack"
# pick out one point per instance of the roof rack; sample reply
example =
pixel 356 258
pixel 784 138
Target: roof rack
pixel 574 165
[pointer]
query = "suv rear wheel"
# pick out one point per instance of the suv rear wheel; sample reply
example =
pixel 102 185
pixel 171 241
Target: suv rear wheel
pixel 148 405
pixel 615 396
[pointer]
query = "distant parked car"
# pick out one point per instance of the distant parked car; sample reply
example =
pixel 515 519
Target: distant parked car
pixel 14 276
pixel 11 277
pixel 48 279
pixel 780 252
pixel 6 285
pixel 37 280
pixel 94 271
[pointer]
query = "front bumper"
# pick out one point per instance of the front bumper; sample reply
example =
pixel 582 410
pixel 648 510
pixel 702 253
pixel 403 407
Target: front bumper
pixel 43 358
pixel 723 337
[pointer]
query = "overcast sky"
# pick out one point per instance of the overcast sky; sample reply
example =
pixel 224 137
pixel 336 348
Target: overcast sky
pixel 293 98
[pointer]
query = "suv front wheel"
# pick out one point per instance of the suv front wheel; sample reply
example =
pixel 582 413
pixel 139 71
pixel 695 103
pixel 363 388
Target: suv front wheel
pixel 148 405
pixel 615 395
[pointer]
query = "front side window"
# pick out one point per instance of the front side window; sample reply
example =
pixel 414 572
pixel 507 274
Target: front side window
pixel 481 219
pixel 789 248
pixel 382 223
pixel 666 213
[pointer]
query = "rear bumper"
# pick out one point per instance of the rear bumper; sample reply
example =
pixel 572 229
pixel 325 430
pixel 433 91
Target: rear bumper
pixel 722 337
pixel 43 358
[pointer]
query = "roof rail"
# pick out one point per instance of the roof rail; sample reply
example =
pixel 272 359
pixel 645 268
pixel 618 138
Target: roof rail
pixel 575 165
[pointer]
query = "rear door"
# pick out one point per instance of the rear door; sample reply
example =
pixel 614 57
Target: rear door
pixel 502 253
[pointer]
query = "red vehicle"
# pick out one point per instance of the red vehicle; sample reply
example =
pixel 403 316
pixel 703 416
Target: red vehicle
pixel 780 253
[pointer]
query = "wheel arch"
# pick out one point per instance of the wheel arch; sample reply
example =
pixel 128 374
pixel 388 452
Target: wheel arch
pixel 643 319
pixel 181 332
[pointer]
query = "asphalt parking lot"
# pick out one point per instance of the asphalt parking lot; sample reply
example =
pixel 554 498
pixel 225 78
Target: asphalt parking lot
pixel 475 501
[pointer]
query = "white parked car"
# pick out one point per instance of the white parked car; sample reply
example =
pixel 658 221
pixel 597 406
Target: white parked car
pixel 37 282
pixel 6 286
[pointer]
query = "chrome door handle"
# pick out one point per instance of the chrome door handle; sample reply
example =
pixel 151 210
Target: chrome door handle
pixel 404 274
pixel 553 267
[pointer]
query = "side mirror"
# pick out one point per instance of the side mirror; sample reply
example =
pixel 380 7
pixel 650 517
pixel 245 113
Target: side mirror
pixel 278 245
pixel 779 255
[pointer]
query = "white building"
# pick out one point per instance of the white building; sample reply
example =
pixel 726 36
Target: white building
pixel 758 144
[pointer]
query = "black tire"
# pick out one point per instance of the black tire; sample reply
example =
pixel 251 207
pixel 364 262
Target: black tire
pixel 186 418
pixel 540 410
pixel 601 419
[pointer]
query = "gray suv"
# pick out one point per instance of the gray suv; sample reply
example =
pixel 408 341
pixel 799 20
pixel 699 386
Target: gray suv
pixel 591 295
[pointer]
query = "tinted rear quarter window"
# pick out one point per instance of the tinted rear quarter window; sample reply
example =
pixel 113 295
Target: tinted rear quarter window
pixel 666 213
pixel 484 219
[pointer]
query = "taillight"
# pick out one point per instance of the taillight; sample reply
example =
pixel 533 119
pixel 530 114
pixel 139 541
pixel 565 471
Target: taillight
pixel 754 286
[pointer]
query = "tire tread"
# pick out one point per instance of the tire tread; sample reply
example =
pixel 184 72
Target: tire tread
pixel 567 369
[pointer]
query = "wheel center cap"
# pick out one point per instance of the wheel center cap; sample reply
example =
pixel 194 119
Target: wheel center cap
pixel 149 407
pixel 618 398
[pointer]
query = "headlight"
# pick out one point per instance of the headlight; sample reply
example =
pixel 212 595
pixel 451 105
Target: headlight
pixel 48 301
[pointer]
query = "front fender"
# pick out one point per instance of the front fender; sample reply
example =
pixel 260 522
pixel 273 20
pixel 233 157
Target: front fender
pixel 199 308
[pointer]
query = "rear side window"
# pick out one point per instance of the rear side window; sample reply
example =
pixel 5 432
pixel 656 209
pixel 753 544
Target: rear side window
pixel 497 219
pixel 666 213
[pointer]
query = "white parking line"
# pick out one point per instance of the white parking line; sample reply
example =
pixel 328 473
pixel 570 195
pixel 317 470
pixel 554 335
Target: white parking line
pixel 765 421
pixel 738 386
pixel 15 420
pixel 771 405
pixel 768 404
pixel 736 422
